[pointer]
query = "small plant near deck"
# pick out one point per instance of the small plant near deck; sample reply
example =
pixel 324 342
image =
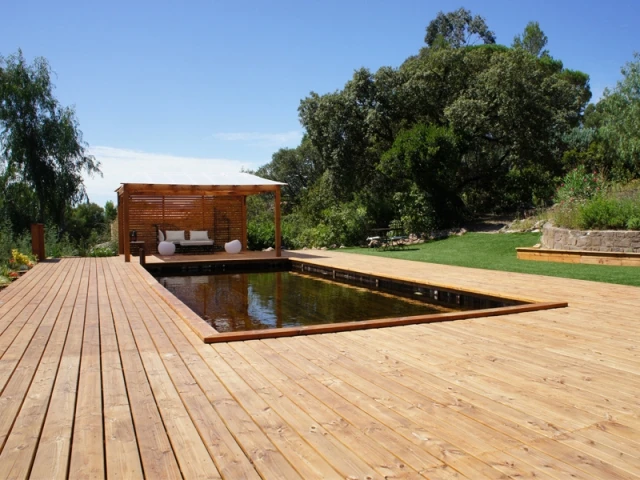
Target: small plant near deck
pixel 108 249
pixel 20 259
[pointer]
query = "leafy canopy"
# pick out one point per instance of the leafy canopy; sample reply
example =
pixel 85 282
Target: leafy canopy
pixel 458 29
pixel 532 40
pixel 40 143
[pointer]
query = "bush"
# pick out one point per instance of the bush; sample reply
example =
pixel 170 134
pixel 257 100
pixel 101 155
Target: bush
pixel 605 213
pixel 260 234
pixel 108 249
pixel 588 205
pixel 57 245
pixel 578 186
pixel 633 223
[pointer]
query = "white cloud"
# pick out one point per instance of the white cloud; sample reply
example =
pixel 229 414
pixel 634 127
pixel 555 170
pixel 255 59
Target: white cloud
pixel 130 166
pixel 284 139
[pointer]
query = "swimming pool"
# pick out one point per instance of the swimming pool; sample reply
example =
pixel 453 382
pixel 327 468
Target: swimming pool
pixel 255 301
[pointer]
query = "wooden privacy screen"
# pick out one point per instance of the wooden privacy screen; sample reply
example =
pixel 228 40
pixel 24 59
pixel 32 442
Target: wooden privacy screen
pixel 222 217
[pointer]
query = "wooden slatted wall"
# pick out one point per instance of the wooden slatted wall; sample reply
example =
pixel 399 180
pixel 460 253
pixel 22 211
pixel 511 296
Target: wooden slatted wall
pixel 144 213
pixel 229 219
pixel 222 217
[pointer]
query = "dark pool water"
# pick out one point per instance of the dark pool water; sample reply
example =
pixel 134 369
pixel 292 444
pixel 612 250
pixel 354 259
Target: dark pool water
pixel 254 301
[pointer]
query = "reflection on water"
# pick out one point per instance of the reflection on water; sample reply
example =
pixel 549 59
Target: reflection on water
pixel 253 301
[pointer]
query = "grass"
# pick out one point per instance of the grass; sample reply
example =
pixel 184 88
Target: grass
pixel 498 252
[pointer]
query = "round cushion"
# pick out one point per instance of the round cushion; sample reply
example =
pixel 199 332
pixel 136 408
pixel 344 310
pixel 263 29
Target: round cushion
pixel 234 246
pixel 166 248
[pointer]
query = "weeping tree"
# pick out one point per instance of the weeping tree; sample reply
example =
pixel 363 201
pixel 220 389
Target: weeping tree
pixel 41 145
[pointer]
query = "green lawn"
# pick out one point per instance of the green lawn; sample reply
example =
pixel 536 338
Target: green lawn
pixel 498 252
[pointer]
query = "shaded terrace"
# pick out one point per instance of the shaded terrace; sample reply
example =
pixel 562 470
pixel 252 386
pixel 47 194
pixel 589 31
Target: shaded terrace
pixel 218 206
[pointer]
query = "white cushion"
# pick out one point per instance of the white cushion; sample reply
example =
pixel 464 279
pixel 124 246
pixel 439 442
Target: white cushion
pixel 160 236
pixel 175 235
pixel 186 243
pixel 198 235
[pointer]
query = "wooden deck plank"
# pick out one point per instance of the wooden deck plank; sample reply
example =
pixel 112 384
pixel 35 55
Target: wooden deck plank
pixel 304 459
pixel 562 369
pixel 18 317
pixel 157 456
pixel 414 432
pixel 471 436
pixel 54 448
pixel 345 461
pixel 263 454
pixel 121 447
pixel 19 449
pixel 550 394
pixel 223 449
pixel 411 373
pixel 20 362
pixel 15 296
pixel 373 440
pixel 87 448
pixel 192 456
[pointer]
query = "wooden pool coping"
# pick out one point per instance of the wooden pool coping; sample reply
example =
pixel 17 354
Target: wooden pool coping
pixel 208 334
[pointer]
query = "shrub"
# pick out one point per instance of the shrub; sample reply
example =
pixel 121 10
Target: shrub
pixel 615 207
pixel 578 185
pixel 633 223
pixel 260 234
pixel 109 249
pixel 57 245
pixel 604 213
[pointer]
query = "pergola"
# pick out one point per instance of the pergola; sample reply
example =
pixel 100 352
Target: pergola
pixel 217 205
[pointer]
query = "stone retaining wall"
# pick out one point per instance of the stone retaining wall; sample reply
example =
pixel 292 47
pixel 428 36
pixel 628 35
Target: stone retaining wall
pixel 591 240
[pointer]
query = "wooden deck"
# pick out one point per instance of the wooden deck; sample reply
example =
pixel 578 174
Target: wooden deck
pixel 99 377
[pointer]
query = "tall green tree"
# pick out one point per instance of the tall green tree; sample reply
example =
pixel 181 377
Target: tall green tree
pixel 110 212
pixel 619 120
pixel 458 29
pixel 427 159
pixel 299 167
pixel 86 221
pixel 532 40
pixel 40 142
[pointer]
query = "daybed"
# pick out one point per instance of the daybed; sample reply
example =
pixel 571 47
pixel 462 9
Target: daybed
pixel 198 240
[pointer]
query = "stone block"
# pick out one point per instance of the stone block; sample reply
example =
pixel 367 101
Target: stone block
pixel 624 242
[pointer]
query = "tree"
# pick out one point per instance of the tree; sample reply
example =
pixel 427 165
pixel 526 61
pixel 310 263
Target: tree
pixel 458 29
pixel 428 158
pixel 619 120
pixel 40 142
pixel 299 167
pixel 85 222
pixel 532 40
pixel 110 212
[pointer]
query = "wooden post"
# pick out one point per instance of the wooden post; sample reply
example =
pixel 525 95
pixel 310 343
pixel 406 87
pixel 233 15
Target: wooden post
pixel 125 223
pixel 244 223
pixel 121 236
pixel 37 241
pixel 278 233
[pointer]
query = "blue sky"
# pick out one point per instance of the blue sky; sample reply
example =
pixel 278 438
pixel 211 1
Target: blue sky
pixel 198 86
